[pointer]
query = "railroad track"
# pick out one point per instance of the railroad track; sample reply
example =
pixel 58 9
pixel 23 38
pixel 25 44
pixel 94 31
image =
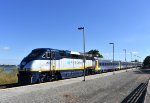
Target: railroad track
pixel 3 86
pixel 138 94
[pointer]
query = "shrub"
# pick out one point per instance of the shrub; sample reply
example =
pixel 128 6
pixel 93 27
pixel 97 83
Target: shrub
pixel 8 78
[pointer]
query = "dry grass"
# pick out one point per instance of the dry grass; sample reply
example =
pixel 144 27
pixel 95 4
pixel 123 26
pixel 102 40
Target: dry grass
pixel 8 78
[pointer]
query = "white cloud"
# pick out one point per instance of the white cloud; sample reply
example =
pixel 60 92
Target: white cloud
pixel 10 61
pixel 6 48
pixel 106 54
pixel 148 51
pixel 121 53
pixel 135 52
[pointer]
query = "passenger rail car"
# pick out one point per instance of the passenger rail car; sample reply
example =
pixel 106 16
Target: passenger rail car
pixel 109 65
pixel 46 64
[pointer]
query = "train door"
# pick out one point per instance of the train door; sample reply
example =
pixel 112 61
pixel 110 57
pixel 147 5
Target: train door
pixel 53 61
pixel 119 64
pixel 97 68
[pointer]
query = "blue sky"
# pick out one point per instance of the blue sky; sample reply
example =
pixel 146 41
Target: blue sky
pixel 29 24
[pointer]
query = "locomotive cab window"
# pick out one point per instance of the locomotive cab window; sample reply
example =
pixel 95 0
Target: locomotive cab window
pixel 36 53
pixel 73 56
pixel 44 56
pixel 62 53
pixel 47 55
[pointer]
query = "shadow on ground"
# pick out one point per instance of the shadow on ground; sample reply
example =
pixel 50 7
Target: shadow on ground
pixel 138 94
pixel 142 71
pixel 3 86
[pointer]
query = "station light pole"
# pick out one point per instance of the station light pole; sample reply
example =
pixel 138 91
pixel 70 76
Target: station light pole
pixel 125 54
pixel 131 56
pixel 125 58
pixel 131 60
pixel 113 57
pixel 82 28
pixel 139 58
pixel 136 58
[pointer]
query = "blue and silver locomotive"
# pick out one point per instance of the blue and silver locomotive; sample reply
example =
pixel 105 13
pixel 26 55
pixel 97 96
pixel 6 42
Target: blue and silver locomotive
pixel 46 64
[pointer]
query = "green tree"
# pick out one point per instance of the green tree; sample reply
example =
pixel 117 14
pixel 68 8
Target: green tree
pixel 136 60
pixel 95 53
pixel 147 61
